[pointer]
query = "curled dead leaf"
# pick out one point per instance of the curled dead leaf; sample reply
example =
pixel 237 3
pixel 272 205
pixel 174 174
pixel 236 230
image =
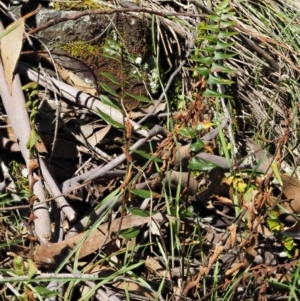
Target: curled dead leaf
pixel 233 236
pixel 33 181
pixel 31 218
pixel 33 199
pixel 234 269
pixel 251 251
pixel 154 267
pixel 32 166
pixel 32 238
pixel 218 250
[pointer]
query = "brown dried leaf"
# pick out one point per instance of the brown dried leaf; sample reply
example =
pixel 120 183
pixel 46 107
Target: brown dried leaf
pixel 189 285
pixel 227 282
pixel 52 253
pixel 233 235
pixel 40 146
pixel 129 128
pixel 283 278
pixel 154 267
pixel 208 148
pixel 73 80
pixel 291 189
pixel 213 258
pixel 127 154
pixel 251 214
pixel 32 166
pixel 223 200
pixel 259 154
pixel 234 269
pixel 251 252
pixel 33 181
pixel 260 228
pixel 32 238
pixel 29 294
pixel 31 218
pixel 227 180
pixel 145 110
pixel 127 178
pixel 33 199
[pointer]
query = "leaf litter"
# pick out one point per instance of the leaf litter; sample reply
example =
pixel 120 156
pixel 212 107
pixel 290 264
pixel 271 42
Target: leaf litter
pixel 164 222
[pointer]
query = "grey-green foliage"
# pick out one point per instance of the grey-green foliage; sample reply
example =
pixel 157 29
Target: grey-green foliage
pixel 212 48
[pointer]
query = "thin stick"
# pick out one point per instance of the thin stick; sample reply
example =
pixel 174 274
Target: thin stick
pixel 110 12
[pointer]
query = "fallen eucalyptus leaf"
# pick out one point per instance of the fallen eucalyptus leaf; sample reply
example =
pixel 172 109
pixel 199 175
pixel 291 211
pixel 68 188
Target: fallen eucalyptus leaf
pixel 50 255
pixel 99 136
pixel 11 45
pixel 71 78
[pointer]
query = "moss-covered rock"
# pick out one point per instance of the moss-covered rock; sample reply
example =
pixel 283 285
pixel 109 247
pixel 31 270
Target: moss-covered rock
pixel 77 5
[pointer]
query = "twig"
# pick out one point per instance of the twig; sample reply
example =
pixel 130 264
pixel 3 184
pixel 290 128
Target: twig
pixel 78 97
pixel 214 133
pixel 58 217
pixel 54 190
pixel 99 171
pixel 45 277
pixel 14 104
pixel 110 12
pixel 116 173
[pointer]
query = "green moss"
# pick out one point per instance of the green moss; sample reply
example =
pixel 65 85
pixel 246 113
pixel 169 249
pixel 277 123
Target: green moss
pixel 81 49
pixel 75 5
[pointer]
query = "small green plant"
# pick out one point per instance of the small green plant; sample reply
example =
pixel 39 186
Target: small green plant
pixel 25 289
pixel 133 70
pixel 276 227
pixel 288 282
pixel 22 182
pixel 212 49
